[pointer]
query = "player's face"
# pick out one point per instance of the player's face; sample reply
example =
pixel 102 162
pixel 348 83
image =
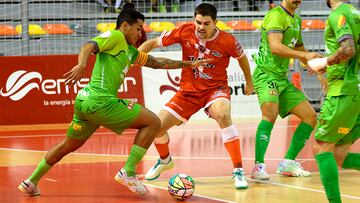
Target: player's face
pixel 205 26
pixel 293 4
pixel 133 32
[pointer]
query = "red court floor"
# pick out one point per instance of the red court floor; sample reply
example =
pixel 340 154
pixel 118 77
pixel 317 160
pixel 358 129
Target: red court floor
pixel 197 149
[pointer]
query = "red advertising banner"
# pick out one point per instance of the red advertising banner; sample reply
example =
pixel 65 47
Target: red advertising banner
pixel 33 90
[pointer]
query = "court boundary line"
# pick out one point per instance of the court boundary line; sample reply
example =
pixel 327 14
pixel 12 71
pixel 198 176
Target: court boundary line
pixel 126 132
pixel 152 157
pixel 202 196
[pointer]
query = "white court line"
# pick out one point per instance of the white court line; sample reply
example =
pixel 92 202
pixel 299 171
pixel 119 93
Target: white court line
pixel 127 132
pixel 206 197
pixel 51 180
pixel 155 157
pixel 301 188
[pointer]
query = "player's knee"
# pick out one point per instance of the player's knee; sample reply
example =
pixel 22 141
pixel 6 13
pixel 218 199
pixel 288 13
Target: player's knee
pixel 222 117
pixel 156 123
pixel 311 119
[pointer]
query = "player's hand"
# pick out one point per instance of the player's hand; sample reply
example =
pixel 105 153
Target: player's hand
pixel 323 82
pixel 249 88
pixel 310 55
pixel 74 75
pixel 197 63
pixel 318 65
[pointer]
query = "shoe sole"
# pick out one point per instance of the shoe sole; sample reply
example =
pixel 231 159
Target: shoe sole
pixel 255 178
pixel 22 189
pixel 288 174
pixel 242 187
pixel 150 179
pixel 119 180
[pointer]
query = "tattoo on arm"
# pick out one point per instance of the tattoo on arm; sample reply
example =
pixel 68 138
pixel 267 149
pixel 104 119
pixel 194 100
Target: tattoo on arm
pixel 163 63
pixel 344 53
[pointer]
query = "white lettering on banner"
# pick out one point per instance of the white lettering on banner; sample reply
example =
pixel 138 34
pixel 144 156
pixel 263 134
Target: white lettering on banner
pixel 124 86
pixel 21 82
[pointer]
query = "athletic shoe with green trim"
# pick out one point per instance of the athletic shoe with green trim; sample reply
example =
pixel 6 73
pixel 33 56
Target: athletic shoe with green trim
pixel 159 167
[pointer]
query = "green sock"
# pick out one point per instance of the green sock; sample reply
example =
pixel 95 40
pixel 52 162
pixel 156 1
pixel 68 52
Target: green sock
pixel 301 135
pixel 40 171
pixel 135 156
pixel 329 175
pixel 263 133
pixel 352 161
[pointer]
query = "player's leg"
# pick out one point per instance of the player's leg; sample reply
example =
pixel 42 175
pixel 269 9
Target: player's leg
pixel 220 110
pixel 334 131
pixel 268 90
pixel 344 158
pixel 178 110
pixel 77 134
pixel 293 101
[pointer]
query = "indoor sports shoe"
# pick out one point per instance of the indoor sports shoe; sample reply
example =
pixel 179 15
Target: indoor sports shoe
pixel 259 172
pixel 29 188
pixel 159 167
pixel 291 168
pixel 240 182
pixel 132 183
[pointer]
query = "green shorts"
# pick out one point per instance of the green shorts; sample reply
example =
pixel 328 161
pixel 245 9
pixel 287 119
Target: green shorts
pixel 339 120
pixel 278 90
pixel 114 113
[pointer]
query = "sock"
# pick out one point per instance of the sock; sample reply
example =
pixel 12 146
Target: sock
pixel 233 148
pixel 135 156
pixel 352 161
pixel 162 146
pixel 40 171
pixel 301 135
pixel 329 175
pixel 263 133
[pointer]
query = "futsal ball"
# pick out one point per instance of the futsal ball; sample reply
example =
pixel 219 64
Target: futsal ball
pixel 181 187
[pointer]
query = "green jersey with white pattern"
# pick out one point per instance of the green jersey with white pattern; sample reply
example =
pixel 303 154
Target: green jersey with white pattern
pixel 113 60
pixel 281 21
pixel 343 23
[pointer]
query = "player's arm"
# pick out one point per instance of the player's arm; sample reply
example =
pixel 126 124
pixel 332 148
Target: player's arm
pixel 145 59
pixel 245 67
pixel 77 71
pixel 345 52
pixel 149 45
pixel 278 48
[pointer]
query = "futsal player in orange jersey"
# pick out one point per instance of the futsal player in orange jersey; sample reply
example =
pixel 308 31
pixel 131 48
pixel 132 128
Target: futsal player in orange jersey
pixel 204 87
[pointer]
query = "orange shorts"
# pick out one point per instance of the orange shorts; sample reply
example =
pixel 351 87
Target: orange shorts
pixel 184 104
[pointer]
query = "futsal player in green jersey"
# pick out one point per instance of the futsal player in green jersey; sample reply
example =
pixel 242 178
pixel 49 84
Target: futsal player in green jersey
pixel 338 125
pixel 281 40
pixel 97 103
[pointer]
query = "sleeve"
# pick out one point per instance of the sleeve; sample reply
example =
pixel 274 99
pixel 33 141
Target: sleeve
pixel 110 42
pixel 236 49
pixel 340 26
pixel 273 22
pixel 299 42
pixel 170 37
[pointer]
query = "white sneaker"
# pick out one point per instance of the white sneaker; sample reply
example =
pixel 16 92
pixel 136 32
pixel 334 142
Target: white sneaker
pixel 259 172
pixel 29 188
pixel 240 182
pixel 132 183
pixel 159 167
pixel 291 168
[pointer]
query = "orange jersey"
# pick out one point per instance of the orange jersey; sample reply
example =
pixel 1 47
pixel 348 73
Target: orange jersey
pixel 220 48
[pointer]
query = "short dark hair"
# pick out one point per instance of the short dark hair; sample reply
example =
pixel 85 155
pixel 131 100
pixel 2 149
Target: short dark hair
pixel 206 9
pixel 129 6
pixel 131 16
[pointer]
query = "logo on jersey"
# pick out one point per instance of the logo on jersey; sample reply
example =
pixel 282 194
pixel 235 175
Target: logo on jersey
pixel 217 54
pixel 344 131
pixel 175 82
pixel 341 21
pixel 18 84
